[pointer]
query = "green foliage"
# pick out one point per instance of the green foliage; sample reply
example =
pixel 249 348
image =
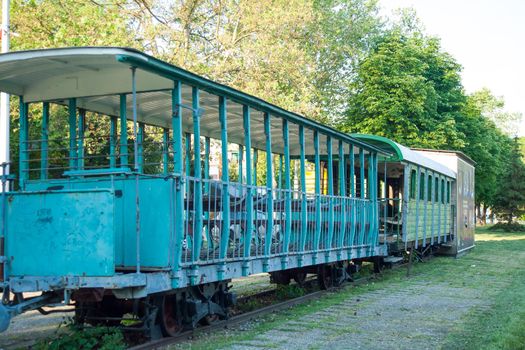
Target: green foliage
pixel 510 198
pixel 409 90
pixel 100 338
pixel 289 291
pixel 506 227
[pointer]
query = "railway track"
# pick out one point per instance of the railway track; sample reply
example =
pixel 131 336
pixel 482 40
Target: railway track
pixel 243 317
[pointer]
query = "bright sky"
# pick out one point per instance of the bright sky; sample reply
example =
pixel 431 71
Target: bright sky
pixel 487 37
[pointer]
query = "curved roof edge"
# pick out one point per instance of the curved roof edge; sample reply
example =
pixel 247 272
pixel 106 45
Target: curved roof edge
pixel 404 154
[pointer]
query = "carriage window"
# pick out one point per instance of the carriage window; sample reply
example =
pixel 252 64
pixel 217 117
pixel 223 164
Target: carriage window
pixel 421 186
pixel 413 184
pixel 448 191
pixel 443 191
pixel 429 192
pixel 436 190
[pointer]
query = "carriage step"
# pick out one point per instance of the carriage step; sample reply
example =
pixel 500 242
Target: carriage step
pixel 393 259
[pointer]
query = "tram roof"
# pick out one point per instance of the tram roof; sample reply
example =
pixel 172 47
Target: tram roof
pixel 402 153
pixel 95 76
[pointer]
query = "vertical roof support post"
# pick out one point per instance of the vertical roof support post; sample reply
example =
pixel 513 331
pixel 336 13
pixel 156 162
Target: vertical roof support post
pixel 177 185
pixel 140 147
pixel 72 134
pixel 197 197
pixel 342 196
pixel 80 142
pixel 287 194
pixel 269 190
pixel 304 214
pixel 188 155
pixel 425 198
pixel 331 198
pixel 384 194
pixel 418 199
pixel 440 221
pixel 112 142
pixel 165 150
pixel 362 193
pixel 123 132
pixel 370 186
pixel 240 158
pixel 225 229
pixel 207 164
pixel 353 201
pixel 136 168
pixel 447 206
pixel 404 206
pixel 24 142
pixel 317 160
pixel 44 143
pixel 249 190
pixel 255 160
pixel 432 199
pixel 375 201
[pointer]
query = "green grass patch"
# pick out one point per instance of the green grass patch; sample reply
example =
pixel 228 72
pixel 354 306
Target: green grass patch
pixel 100 338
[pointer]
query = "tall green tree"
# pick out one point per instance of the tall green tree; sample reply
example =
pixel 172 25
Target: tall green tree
pixel 409 90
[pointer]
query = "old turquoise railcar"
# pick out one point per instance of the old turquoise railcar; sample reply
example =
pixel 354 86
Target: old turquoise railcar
pixel 125 200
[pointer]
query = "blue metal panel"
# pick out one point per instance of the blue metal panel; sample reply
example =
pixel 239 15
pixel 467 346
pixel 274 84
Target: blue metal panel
pixel 72 134
pixel 112 142
pixel 123 132
pixel 197 194
pixel 249 189
pixel 44 144
pixel 269 185
pixel 67 232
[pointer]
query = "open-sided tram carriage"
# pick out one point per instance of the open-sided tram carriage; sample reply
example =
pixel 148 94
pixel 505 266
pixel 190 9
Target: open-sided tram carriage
pixel 126 202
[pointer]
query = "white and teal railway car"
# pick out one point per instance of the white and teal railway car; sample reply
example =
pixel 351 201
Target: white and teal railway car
pixel 427 197
pixel 124 200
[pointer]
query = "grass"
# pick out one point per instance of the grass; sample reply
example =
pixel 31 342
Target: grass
pixel 494 270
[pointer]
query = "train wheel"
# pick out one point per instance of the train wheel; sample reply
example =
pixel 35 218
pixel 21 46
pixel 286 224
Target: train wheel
pixel 325 277
pixel 300 277
pixel 169 319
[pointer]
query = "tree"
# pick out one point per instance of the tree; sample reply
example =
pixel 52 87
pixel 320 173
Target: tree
pixel 510 197
pixel 409 90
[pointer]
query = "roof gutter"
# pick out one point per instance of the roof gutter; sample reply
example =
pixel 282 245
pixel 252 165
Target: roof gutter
pixel 169 71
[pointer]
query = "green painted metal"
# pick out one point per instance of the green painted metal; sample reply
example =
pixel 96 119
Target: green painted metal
pixel 23 141
pixel 177 190
pixel 370 186
pixel 330 163
pixel 72 134
pixel 44 144
pixel 69 233
pixel 288 191
pixel 304 214
pixel 225 229
pixel 197 171
pixel 207 163
pixel 352 171
pixel 112 142
pixel 140 147
pixel 123 132
pixel 418 181
pixel 425 212
pixel 269 185
pixel 362 208
pixel 249 189
pixel 317 160
pixel 165 150
pixel 80 141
